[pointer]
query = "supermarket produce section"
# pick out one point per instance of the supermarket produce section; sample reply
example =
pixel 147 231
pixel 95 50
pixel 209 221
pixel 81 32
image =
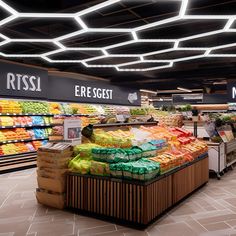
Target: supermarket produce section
pixel 130 174
pixel 26 125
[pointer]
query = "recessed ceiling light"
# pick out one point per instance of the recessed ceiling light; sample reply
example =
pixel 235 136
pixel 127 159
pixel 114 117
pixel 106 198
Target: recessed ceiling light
pixel 148 91
pixel 184 89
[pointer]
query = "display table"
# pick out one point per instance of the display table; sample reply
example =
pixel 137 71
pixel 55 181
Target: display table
pixel 130 201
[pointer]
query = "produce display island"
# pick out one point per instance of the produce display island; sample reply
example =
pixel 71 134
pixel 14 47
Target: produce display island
pixel 134 202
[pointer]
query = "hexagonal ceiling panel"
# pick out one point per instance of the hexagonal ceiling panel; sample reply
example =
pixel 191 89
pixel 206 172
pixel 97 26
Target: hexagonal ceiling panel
pixel 143 65
pixel 96 39
pixel 112 32
pixel 174 54
pixel 75 55
pixel 112 60
pixel 182 28
pixel 130 14
pixel 41 28
pixel 140 47
pixel 210 41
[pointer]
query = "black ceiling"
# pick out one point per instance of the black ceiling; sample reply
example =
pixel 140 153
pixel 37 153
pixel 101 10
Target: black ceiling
pixel 128 14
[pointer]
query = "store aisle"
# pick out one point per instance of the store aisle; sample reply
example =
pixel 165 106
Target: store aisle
pixel 210 211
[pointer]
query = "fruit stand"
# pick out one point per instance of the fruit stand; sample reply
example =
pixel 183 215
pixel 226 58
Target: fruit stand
pixel 134 202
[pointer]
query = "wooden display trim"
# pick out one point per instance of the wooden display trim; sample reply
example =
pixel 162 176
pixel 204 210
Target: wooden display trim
pixel 134 202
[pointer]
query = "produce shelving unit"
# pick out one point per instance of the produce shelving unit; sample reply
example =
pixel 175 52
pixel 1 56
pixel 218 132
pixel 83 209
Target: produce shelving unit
pixel 22 160
pixel 123 124
pixel 17 161
pixel 132 202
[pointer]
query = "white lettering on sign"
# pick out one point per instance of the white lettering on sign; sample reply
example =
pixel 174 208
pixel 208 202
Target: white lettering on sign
pixel 233 92
pixel 89 92
pixel 23 82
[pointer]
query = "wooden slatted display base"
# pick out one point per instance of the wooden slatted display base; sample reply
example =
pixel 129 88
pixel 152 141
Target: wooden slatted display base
pixel 134 202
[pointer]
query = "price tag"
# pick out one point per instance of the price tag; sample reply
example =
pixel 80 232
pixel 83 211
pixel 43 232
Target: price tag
pixel 4 142
pixel 14 126
pixel 120 118
pixel 3 127
pixel 22 140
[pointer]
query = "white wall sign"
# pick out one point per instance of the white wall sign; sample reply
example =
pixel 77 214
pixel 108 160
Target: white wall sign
pixel 72 129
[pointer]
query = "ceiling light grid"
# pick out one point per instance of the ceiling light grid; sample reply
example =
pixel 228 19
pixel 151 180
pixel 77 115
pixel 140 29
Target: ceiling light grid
pixel 134 34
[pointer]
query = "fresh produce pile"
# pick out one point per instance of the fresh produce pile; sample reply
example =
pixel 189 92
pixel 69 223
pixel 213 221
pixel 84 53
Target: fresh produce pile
pixel 55 108
pixel 23 134
pixel 24 120
pixel 7 106
pixel 34 107
pixel 117 138
pixel 16 148
pixel 14 134
pixel 159 150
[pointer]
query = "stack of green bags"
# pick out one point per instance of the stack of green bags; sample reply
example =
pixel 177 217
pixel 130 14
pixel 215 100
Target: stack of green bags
pixel 142 169
pixel 114 155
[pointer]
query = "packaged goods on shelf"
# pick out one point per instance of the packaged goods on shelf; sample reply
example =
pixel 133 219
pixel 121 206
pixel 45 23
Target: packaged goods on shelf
pixel 99 168
pixel 142 169
pixel 37 120
pixel 162 148
pixel 80 165
pixel 117 138
pixel 85 150
pixel 114 155
pixel 148 150
pixel 57 130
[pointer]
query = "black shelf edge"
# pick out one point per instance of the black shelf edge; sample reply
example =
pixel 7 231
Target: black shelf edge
pixel 124 124
pixel 25 114
pixel 25 126
pixel 10 156
pixel 22 140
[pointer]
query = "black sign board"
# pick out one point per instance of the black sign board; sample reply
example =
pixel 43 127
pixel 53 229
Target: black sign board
pixel 231 91
pixel 75 90
pixel 187 98
pixel 22 81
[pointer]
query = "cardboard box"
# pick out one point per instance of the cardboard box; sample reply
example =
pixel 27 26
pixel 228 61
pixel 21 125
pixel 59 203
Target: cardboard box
pixel 51 173
pixel 54 155
pixel 54 185
pixel 62 164
pixel 58 151
pixel 50 199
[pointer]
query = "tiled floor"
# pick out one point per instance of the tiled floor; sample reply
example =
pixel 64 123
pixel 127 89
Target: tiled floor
pixel 209 212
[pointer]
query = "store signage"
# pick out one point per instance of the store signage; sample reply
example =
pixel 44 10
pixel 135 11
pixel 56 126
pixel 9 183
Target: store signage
pixel 74 90
pixel 72 129
pixel 22 81
pixel 187 98
pixel 231 90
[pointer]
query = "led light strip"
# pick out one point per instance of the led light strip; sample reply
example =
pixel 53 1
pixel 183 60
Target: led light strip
pixel 133 32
